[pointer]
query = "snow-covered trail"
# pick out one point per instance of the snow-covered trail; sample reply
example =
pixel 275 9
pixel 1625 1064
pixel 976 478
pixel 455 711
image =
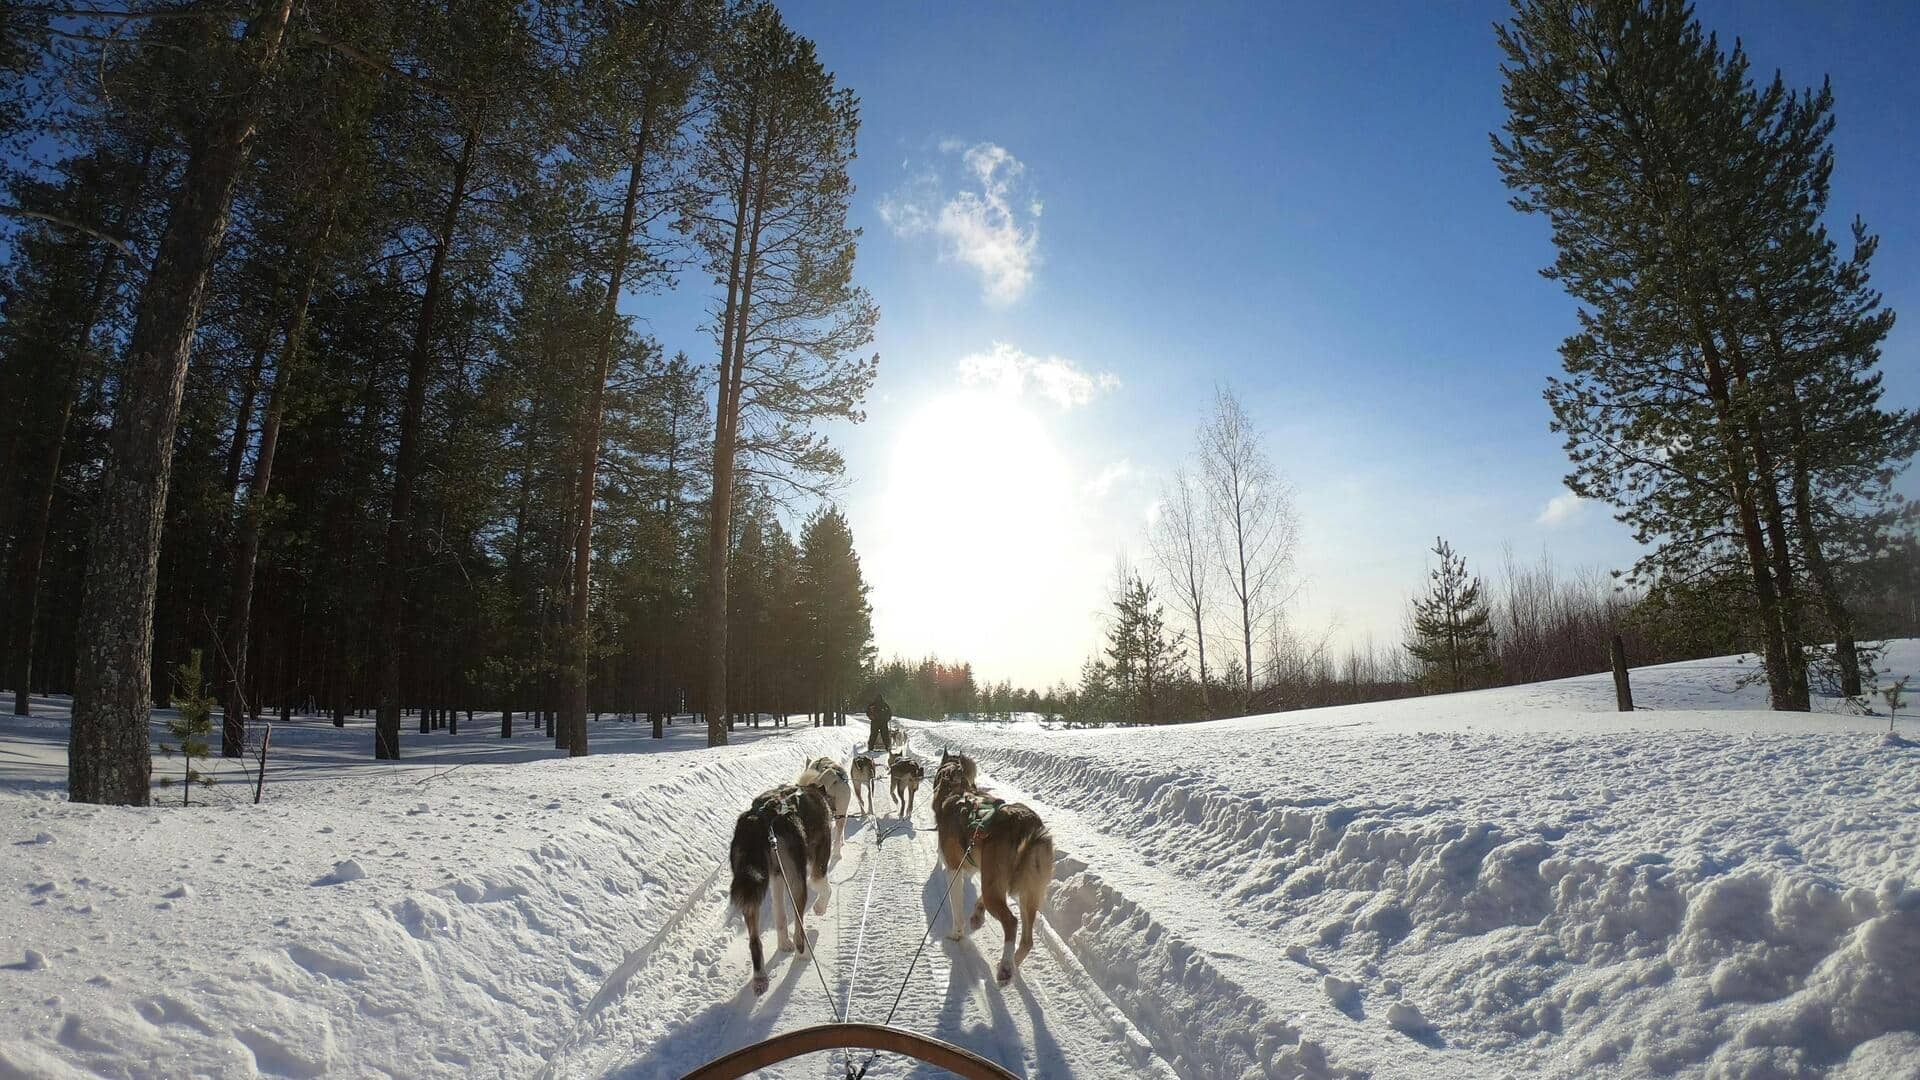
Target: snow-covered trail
pixel 684 998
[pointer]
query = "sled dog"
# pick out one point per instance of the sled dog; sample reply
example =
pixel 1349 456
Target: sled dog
pixel 862 773
pixel 1008 844
pixel 827 775
pixel 906 775
pixel 967 766
pixel 784 837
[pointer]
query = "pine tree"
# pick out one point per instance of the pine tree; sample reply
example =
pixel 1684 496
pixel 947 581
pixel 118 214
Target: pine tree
pixel 1452 627
pixel 1141 657
pixel 192 727
pixel 838 621
pixel 774 157
pixel 107 760
pixel 1720 334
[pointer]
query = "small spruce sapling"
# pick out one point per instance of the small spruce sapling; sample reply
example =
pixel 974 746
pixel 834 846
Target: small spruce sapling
pixel 192 727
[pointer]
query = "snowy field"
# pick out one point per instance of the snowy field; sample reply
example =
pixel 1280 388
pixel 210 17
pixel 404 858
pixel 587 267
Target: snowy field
pixel 1515 882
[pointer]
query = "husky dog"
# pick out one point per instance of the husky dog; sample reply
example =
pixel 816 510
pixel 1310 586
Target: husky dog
pixel 827 775
pixel 897 740
pixel 1007 843
pixel 862 774
pixel 906 774
pixel 794 824
pixel 967 766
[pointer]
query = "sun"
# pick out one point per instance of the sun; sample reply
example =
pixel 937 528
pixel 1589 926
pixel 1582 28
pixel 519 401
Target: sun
pixel 971 545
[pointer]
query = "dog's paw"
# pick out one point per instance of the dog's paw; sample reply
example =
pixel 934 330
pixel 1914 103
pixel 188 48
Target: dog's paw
pixel 956 935
pixel 1004 975
pixel 759 985
pixel 785 945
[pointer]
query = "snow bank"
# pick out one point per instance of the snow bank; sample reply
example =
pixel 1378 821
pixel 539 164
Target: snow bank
pixel 1508 881
pixel 433 918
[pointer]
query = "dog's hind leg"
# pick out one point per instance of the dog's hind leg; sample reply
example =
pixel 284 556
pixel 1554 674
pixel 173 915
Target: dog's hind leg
pixel 1032 872
pixel 751 913
pixel 956 892
pixel 996 902
pixel 782 908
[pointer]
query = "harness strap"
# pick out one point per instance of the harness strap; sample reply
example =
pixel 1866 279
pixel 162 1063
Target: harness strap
pixel 979 817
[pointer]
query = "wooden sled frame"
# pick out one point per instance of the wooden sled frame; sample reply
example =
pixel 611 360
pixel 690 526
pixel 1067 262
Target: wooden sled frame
pixel 810 1040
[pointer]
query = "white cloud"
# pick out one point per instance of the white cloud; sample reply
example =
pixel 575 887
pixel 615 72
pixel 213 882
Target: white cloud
pixel 990 223
pixel 1055 378
pixel 1100 485
pixel 1560 509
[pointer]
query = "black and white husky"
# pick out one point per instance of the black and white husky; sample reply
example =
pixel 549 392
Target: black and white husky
pixel 781 847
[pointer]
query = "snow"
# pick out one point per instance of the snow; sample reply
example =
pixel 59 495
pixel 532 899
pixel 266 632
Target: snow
pixel 1510 882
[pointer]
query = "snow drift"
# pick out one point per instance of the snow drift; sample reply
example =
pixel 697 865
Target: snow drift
pixel 1493 882
pixel 428 919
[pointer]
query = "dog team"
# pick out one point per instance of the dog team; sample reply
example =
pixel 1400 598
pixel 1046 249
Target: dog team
pixel 784 843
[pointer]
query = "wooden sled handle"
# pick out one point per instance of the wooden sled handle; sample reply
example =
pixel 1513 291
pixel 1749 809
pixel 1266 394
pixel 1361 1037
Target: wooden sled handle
pixel 809 1040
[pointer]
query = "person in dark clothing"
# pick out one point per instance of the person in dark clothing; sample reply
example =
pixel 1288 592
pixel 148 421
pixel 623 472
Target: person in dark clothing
pixel 879 719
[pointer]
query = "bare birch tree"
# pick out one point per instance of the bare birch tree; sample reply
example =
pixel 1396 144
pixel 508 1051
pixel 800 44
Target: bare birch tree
pixel 1251 519
pixel 1179 543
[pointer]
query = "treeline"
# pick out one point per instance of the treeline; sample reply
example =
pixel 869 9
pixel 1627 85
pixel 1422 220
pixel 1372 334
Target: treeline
pixel 932 689
pixel 323 336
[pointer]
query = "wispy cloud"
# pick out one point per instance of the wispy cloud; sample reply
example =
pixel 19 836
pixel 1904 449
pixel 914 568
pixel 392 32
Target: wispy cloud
pixel 989 221
pixel 1103 482
pixel 1560 509
pixel 1055 378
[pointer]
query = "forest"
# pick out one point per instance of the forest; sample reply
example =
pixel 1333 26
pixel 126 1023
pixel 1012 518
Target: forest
pixel 326 327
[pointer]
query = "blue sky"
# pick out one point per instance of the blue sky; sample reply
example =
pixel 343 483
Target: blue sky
pixel 1296 200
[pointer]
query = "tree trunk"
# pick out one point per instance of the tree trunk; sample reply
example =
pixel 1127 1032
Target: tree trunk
pixel 233 733
pixel 108 759
pixel 23 591
pixel 1774 645
pixel 726 417
pixel 243 420
pixel 393 593
pixel 1622 689
pixel 1846 652
pixel 580 632
pixel 1792 625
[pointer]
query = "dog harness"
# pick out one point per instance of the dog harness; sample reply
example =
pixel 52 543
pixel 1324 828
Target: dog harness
pixel 786 804
pixel 978 816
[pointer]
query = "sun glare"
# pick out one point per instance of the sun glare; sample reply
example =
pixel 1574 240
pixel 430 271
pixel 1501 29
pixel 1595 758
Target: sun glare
pixel 971 543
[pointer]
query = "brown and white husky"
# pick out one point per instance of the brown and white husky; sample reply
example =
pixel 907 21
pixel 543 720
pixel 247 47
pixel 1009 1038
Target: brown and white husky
pixel 784 837
pixel 862 772
pixel 967 766
pixel 906 775
pixel 1007 843
pixel 827 775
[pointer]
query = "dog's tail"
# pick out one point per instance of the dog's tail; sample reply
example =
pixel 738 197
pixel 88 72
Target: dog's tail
pixel 750 858
pixel 1032 873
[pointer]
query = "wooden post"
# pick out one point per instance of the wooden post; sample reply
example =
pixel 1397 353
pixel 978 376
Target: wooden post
pixel 1622 691
pixel 260 777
